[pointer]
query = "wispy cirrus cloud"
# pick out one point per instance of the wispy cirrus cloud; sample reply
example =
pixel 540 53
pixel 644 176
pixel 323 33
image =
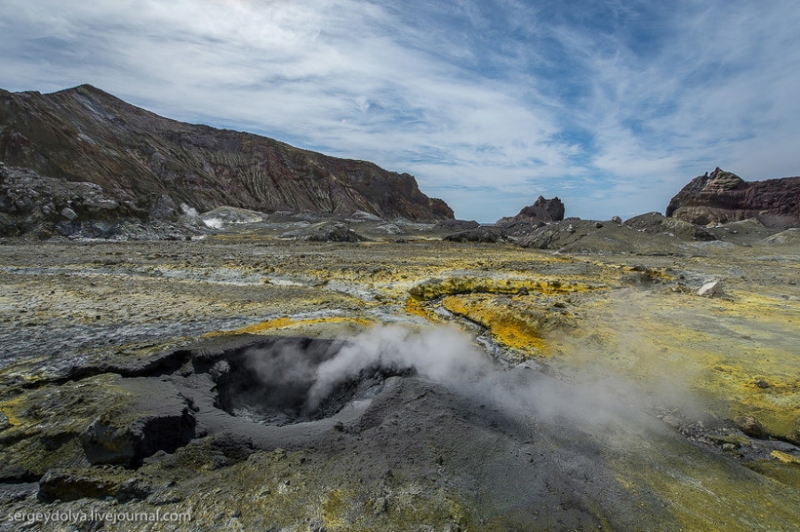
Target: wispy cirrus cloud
pixel 612 106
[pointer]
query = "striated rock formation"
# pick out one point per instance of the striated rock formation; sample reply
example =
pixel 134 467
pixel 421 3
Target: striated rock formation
pixel 721 197
pixel 542 210
pixel 151 164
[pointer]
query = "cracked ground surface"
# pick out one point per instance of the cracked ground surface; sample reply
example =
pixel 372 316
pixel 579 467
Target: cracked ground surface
pixel 616 398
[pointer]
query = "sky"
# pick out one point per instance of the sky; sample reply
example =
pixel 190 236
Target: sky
pixel 610 105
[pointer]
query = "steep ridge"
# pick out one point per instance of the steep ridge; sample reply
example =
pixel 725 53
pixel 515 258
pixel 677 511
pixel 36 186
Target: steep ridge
pixel 721 197
pixel 542 210
pixel 153 164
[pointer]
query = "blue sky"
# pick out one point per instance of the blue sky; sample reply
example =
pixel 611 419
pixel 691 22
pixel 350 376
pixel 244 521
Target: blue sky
pixel 611 105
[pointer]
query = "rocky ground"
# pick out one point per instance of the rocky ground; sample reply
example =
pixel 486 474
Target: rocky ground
pixel 260 379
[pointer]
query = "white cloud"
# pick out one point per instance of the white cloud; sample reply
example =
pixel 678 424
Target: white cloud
pixel 465 95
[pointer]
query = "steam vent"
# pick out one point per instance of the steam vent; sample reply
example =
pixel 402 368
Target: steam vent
pixel 249 336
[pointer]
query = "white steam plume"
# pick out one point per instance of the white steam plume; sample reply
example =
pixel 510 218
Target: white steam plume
pixel 441 354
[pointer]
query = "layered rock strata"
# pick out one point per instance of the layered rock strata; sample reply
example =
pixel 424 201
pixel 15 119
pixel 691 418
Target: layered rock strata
pixel 722 197
pixel 154 164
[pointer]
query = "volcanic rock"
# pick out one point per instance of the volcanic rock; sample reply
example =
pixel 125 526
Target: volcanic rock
pixel 512 449
pixel 59 485
pixel 479 234
pixel 751 426
pixel 361 216
pixel 390 229
pixel 68 213
pixel 29 201
pixel 325 232
pixel 142 160
pixel 458 225
pixel 160 420
pixel 721 197
pixel 794 435
pixel 542 238
pixel 542 210
pixel 710 289
pixel 656 223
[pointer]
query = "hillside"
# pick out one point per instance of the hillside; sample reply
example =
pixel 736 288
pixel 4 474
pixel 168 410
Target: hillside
pixel 150 164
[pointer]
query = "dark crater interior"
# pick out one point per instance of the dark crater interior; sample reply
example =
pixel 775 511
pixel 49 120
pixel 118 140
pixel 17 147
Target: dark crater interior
pixel 271 383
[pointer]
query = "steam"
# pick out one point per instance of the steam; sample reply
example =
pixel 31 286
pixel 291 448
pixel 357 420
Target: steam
pixel 289 367
pixel 441 354
pixel 303 376
pixel 213 223
pixel 448 356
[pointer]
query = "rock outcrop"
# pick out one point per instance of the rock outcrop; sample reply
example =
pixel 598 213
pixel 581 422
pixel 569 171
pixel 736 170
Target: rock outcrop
pixel 324 232
pixel 155 418
pixel 722 197
pixel 479 234
pixel 542 210
pixel 32 205
pixel 654 223
pixel 151 165
pixel 28 200
pixel 64 486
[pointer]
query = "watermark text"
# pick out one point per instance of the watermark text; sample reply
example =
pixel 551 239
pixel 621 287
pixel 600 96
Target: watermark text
pixel 112 517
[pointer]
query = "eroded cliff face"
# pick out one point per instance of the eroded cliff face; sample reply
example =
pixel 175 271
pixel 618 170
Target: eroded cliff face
pixel 542 210
pixel 721 197
pixel 154 164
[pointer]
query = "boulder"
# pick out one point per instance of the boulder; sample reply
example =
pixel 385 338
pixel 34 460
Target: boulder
pixel 710 289
pixel 68 213
pixel 751 426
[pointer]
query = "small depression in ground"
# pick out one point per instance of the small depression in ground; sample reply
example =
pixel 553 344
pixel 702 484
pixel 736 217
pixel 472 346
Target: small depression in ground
pixel 274 383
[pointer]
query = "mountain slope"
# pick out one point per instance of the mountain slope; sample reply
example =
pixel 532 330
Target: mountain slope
pixel 151 164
